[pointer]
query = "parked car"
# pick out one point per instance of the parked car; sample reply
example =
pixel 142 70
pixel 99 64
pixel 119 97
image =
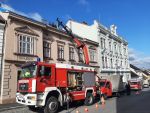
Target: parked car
pixel 146 83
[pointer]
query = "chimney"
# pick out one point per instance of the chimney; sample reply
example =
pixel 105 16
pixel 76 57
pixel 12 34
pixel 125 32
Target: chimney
pixel 113 29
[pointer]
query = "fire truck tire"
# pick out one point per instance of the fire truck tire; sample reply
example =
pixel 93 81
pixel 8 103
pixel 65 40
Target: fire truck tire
pixel 89 100
pixel 52 105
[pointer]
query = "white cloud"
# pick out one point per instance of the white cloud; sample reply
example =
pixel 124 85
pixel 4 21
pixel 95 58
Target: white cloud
pixel 34 15
pixel 7 7
pixel 139 59
pixel 86 4
pixel 83 2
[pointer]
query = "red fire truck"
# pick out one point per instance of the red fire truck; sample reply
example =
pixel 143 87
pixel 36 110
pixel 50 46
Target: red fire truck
pixel 49 86
pixel 135 84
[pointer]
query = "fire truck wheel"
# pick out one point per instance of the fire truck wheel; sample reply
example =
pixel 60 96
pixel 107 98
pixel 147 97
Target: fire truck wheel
pixel 89 100
pixel 52 105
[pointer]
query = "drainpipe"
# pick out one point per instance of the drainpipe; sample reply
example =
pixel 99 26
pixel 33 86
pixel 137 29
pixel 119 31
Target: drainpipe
pixel 2 63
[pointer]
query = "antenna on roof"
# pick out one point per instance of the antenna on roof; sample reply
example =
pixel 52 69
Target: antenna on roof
pixel 99 17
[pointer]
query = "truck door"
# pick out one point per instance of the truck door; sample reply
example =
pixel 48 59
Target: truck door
pixel 46 77
pixel 109 90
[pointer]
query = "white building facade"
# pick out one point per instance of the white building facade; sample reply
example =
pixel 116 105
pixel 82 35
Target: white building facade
pixel 113 49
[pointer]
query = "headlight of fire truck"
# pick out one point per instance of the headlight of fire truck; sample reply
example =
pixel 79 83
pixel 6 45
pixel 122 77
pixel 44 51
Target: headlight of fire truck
pixel 31 98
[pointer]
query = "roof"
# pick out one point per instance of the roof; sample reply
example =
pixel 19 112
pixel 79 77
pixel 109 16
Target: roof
pixel 145 72
pixel 45 26
pixel 134 67
pixel 2 19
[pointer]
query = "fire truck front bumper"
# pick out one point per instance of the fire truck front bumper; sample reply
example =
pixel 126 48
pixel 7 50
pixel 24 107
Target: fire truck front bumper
pixel 27 99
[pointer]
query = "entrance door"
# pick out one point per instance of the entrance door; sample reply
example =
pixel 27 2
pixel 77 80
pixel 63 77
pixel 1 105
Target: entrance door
pixel 109 90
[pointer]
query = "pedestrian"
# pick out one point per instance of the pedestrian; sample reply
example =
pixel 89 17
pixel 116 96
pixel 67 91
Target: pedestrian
pixel 128 89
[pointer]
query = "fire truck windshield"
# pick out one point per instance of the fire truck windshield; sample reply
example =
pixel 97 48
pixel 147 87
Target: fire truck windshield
pixel 28 71
pixel 102 84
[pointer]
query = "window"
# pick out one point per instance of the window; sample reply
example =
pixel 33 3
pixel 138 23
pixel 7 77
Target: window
pixel 124 51
pixel 116 63
pixel 25 44
pixel 125 63
pixel 111 63
pixel 102 43
pixel 120 48
pixel 110 46
pixel 106 62
pixel 60 52
pixel 121 64
pixel 115 47
pixel 71 53
pixel 45 71
pixel 108 85
pixel 28 71
pixel 103 65
pixel 80 52
pixel 47 49
pixel 92 55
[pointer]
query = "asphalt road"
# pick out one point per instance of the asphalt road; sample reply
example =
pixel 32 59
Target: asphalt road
pixel 135 103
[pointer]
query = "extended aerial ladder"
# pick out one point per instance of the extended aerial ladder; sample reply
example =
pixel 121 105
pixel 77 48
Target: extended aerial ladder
pixel 79 43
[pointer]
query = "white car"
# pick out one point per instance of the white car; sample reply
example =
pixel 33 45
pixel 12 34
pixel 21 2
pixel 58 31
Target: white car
pixel 146 85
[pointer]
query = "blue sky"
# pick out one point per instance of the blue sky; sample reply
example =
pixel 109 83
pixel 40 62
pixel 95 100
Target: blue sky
pixel 132 18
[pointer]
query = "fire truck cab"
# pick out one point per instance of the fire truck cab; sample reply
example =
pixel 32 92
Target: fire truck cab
pixel 105 88
pixel 49 86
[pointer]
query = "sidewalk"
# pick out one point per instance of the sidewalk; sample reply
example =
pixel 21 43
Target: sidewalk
pixel 4 107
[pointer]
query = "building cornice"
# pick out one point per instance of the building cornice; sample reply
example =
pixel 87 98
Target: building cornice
pixel 106 31
pixel 25 19
pixel 91 42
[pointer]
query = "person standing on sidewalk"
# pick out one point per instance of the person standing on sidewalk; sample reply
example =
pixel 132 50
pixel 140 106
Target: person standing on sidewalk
pixel 128 89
